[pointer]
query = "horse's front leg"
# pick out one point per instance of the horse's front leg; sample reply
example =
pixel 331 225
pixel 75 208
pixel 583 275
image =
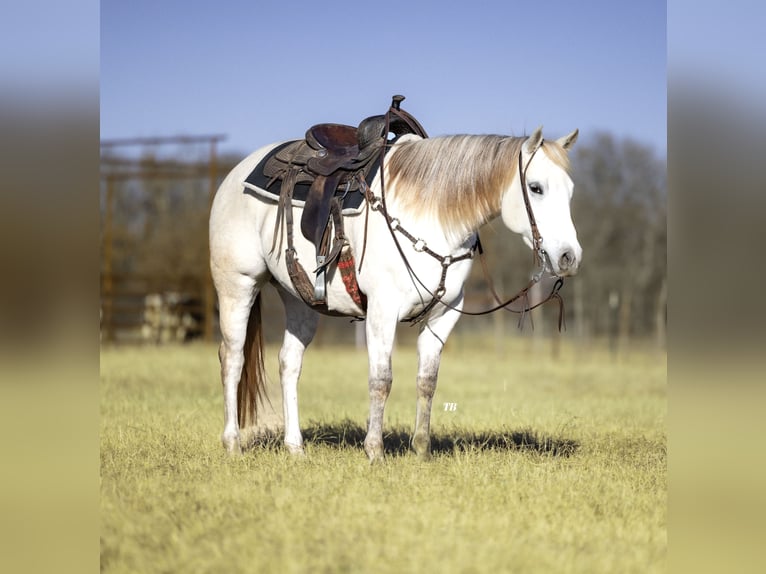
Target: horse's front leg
pixel 430 344
pixel 381 330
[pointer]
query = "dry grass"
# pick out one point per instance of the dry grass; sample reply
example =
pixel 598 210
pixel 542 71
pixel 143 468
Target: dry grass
pixel 545 466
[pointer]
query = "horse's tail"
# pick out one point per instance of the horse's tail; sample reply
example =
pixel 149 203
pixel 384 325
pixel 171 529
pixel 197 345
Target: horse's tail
pixel 251 385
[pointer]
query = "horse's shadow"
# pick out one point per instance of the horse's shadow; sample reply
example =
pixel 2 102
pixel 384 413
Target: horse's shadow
pixel 396 441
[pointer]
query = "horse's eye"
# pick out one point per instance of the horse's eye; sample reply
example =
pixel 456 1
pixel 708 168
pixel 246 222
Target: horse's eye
pixel 535 188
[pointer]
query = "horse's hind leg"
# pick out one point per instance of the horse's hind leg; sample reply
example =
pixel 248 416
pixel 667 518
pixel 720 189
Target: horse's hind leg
pixel 236 293
pixel 300 327
pixel 430 344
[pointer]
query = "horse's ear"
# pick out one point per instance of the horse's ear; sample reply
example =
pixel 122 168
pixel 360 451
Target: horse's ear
pixel 568 141
pixel 533 142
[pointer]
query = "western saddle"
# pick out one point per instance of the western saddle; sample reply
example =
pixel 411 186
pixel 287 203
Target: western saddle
pixel 335 160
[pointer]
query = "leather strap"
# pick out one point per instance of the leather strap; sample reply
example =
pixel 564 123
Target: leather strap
pixel 537 240
pixel 419 245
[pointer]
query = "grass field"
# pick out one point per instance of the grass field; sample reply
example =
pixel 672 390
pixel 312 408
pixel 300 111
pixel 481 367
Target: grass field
pixel 542 466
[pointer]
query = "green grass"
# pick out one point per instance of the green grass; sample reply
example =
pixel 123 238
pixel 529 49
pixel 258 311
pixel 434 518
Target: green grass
pixel 545 466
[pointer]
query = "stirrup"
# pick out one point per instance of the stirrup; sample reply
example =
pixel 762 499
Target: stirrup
pixel 320 286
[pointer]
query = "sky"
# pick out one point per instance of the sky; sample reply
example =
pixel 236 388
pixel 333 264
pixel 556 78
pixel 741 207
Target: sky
pixel 264 71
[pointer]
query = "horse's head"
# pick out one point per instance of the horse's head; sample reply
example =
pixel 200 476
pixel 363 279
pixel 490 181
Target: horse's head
pixel 549 189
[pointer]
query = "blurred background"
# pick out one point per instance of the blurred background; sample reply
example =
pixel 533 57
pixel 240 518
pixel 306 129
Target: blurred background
pixel 186 94
pixel 241 72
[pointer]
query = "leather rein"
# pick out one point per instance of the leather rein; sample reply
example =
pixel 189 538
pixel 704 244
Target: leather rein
pixel 518 303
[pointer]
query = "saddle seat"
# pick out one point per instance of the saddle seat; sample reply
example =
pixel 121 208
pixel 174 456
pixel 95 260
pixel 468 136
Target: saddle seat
pixel 336 138
pixel 345 147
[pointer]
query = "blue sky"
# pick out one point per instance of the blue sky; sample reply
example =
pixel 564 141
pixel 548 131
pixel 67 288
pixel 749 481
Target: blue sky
pixel 263 71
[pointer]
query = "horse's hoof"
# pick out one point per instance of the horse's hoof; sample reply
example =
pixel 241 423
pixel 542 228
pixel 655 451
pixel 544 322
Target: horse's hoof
pixel 295 449
pixel 421 444
pixel 232 445
pixel 374 452
pixel 424 456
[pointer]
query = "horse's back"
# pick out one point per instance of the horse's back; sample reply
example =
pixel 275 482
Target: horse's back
pixel 236 221
pixel 231 200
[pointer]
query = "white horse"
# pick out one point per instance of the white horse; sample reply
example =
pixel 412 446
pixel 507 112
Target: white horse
pixel 440 190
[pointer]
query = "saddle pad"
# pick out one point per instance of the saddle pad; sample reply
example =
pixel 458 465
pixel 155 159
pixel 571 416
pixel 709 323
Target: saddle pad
pixel 258 182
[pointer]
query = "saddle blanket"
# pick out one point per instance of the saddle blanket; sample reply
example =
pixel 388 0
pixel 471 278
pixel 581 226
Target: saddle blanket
pixel 352 203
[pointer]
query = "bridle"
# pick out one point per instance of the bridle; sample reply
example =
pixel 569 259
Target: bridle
pixel 532 296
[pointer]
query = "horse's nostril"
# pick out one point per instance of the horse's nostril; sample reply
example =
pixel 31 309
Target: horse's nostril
pixel 566 260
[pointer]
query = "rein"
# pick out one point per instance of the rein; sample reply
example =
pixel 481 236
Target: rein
pixel 518 303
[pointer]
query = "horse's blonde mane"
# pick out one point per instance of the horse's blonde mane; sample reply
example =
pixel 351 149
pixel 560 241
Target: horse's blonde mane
pixel 459 179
